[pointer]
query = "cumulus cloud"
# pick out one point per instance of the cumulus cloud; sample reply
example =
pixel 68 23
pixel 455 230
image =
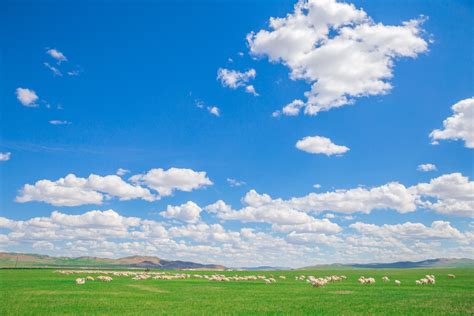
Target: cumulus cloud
pixel 449 194
pixel 167 181
pixel 57 55
pixel 251 89
pixel 188 212
pixel 5 156
pixel 323 39
pixel 27 97
pixel 214 110
pixel 426 167
pixel 459 126
pixel 107 233
pixel 73 191
pixel 320 145
pixel 234 79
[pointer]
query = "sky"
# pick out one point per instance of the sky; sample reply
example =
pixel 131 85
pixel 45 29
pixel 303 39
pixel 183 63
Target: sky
pixel 240 133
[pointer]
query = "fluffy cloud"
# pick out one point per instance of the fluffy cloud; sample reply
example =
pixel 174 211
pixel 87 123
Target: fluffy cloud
pixel 27 97
pixel 167 181
pixel 73 191
pixel 322 39
pixel 234 79
pixel 57 55
pixel 188 212
pixel 251 89
pixel 107 233
pixel 410 231
pixel 453 194
pixel 459 126
pixel 214 110
pixel 320 145
pixel 5 156
pixel 426 167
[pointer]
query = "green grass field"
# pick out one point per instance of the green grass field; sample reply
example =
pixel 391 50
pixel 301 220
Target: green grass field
pixel 43 292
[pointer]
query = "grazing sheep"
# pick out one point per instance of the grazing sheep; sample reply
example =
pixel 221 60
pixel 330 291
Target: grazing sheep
pixel 267 281
pixel 80 281
pixel 89 278
pixel 397 282
pixel 282 277
pixel 385 279
pixel 418 282
pixel 451 276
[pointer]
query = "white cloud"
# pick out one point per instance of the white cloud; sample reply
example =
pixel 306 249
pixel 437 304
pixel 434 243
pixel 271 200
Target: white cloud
pixel 53 69
pixel 408 230
pixel 214 110
pixel 251 89
pixel 234 79
pixel 5 156
pixel 453 194
pixel 426 167
pixel 121 172
pixel 303 41
pixel 188 212
pixel 167 181
pixel 317 186
pixel 59 122
pixel 57 55
pixel 459 126
pixel 235 182
pixel 27 97
pixel 107 233
pixel 74 191
pixel 320 145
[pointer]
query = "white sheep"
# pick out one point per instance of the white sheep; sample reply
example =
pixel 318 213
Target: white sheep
pixel 451 276
pixel 397 282
pixel 80 281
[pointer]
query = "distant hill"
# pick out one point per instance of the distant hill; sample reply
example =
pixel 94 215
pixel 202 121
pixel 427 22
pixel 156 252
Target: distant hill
pixel 431 263
pixel 25 260
pixel 262 268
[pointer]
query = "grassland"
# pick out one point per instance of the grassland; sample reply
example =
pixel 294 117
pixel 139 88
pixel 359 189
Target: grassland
pixel 43 292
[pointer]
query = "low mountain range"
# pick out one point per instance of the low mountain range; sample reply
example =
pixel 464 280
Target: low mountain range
pixel 430 263
pixel 25 260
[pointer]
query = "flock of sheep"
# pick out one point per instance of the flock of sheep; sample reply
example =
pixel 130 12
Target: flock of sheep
pixel 315 282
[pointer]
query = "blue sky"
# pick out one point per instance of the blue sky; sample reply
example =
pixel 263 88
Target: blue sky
pixel 142 80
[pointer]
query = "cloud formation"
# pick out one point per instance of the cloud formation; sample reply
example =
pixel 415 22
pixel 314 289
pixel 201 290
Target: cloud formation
pixel 5 156
pixel 234 79
pixel 459 126
pixel 27 97
pixel 320 145
pixel 323 39
pixel 74 191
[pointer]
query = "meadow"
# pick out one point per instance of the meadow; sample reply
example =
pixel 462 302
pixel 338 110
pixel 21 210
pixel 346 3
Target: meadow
pixel 44 292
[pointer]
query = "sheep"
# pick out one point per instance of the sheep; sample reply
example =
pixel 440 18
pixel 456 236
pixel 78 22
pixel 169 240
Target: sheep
pixel 418 282
pixel 282 277
pixel 89 278
pixel 451 276
pixel 397 282
pixel 385 279
pixel 267 281
pixel 80 281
